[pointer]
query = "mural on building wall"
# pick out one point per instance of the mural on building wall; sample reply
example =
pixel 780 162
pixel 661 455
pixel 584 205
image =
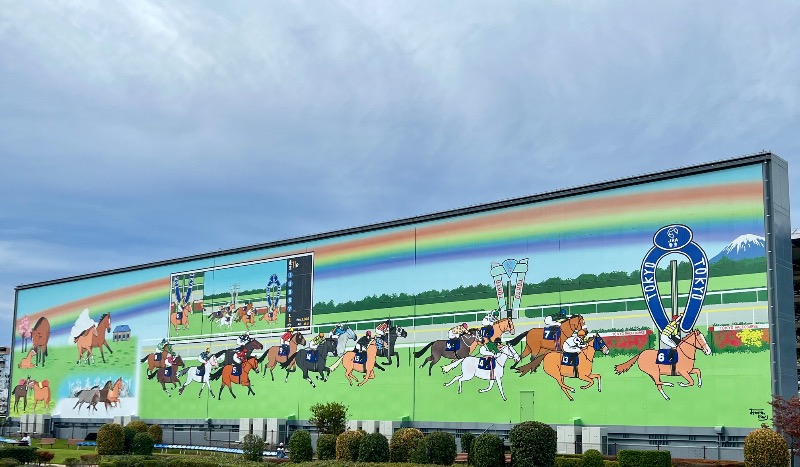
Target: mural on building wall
pixel 615 307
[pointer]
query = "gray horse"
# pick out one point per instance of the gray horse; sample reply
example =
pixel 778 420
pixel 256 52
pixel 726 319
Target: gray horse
pixel 342 335
pixel 88 396
pixel 319 366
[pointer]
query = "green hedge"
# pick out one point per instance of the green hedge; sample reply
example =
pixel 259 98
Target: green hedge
pixel 131 461
pixel 373 448
pixel 142 444
pixel 441 448
pixel 326 447
pixel 533 444
pixel 403 441
pixel 466 441
pixel 568 462
pixel 300 449
pixel 25 455
pixel 347 445
pixel 488 450
pixel 628 458
pixel 592 458
pixel 8 462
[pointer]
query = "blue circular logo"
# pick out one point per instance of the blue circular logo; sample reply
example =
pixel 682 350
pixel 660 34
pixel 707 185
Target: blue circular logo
pixel 672 237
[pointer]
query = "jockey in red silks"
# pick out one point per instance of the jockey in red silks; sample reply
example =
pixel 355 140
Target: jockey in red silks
pixel 287 336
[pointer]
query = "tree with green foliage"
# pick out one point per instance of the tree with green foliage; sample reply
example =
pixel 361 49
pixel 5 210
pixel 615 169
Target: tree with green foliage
pixel 533 444
pixel 403 440
pixel 466 441
pixel 418 454
pixel 347 444
pixel 156 432
pixel 300 449
pixel 488 450
pixel 253 447
pixel 142 444
pixel 326 447
pixel 373 448
pixel 329 418
pixel 592 458
pixel 765 448
pixel 111 439
pixel 441 448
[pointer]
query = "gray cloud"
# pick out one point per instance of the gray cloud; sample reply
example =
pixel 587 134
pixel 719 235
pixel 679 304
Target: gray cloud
pixel 133 132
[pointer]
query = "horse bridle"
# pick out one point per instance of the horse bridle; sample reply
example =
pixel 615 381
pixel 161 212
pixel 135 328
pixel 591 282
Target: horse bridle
pixel 694 332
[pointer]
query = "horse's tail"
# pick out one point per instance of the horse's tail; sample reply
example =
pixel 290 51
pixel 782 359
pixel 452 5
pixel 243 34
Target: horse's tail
pixel 152 375
pixel 519 337
pixel 336 363
pixel 215 375
pixel 144 359
pixel 623 367
pixel 450 366
pixel 422 351
pixel 288 361
pixel 183 372
pixel 532 366
pixel 77 393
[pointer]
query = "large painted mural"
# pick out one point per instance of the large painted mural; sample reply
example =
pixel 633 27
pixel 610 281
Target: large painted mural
pixel 641 305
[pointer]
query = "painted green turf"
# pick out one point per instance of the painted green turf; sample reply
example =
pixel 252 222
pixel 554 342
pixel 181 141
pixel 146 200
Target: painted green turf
pixel 628 399
pixel 62 362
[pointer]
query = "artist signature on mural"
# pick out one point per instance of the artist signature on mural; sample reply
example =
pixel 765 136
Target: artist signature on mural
pixel 762 416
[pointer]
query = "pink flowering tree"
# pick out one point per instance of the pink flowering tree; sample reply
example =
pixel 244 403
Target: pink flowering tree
pixel 24 330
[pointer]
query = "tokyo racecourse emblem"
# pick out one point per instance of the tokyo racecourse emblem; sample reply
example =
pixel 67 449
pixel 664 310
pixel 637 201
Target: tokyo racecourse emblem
pixel 513 272
pixel 678 239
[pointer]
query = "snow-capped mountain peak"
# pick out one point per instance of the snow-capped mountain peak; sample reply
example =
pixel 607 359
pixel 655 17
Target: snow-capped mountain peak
pixel 744 246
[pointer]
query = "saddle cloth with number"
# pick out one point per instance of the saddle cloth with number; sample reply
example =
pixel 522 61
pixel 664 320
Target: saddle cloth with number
pixel 664 358
pixel 453 344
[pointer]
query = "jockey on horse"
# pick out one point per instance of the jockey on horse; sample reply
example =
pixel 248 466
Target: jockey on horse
pixel 381 337
pixel 285 338
pixel 242 340
pixel 453 335
pixel 492 316
pixel 337 331
pixel 573 346
pixel 315 342
pixel 239 357
pixel 203 359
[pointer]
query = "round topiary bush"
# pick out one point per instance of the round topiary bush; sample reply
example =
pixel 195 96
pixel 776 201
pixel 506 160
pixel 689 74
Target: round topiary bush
pixel 533 444
pixel 347 445
pixel 466 441
pixel 765 448
pixel 8 462
pixel 592 458
pixel 142 444
pixel 373 448
pixel 111 439
pixel 253 447
pixel 488 450
pixel 403 440
pixel 156 432
pixel 137 425
pixel 326 447
pixel 300 449
pixel 129 434
pixel 418 452
pixel 441 448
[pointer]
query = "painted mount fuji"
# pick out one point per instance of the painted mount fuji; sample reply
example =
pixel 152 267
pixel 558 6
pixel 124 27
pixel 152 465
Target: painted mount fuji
pixel 744 247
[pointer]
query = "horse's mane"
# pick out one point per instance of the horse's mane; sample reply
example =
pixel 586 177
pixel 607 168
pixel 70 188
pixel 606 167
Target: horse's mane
pixel 102 317
pixel 86 331
pixel 95 387
pixel 107 385
pixel 38 322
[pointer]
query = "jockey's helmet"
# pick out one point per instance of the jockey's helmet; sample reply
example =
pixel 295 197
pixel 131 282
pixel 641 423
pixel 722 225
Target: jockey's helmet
pixel 464 325
pixel 291 329
pixel 321 334
pixel 674 317
pixel 369 334
pixel 208 349
pixel 582 333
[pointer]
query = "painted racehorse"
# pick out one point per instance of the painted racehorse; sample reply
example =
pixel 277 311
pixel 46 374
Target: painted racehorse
pixel 467 344
pixel 246 314
pixel 27 362
pixel 21 392
pixel 161 375
pixel 112 397
pixel 94 336
pixel 685 368
pixel 269 314
pixel 319 365
pixel 99 340
pixel 153 362
pixel 192 375
pixel 41 393
pixel 470 368
pixel 348 361
pixel 555 366
pixel 180 317
pixel 390 352
pixel 540 340
pixel 40 335
pixel 88 396
pixel 274 358
pixel 499 327
pixel 225 357
pixel 346 334
pixel 228 378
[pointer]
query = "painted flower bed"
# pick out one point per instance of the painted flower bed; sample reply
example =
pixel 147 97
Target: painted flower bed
pixel 629 341
pixel 738 338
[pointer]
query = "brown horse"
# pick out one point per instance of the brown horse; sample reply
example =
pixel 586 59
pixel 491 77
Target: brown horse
pixel 468 343
pixel 368 367
pixel 39 338
pixel 687 348
pixel 274 358
pixel 501 326
pixel 21 392
pixel 41 393
pixel 99 339
pixel 152 362
pixel 112 397
pixel 27 362
pixel 162 378
pixel 555 367
pixel 241 315
pixel 183 321
pixel 228 378
pixel 84 342
pixel 536 344
pixel 270 315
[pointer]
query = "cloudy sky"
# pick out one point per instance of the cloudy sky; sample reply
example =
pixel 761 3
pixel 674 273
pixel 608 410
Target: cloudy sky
pixel 137 131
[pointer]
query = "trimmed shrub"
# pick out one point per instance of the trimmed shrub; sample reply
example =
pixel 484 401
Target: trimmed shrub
pixel 627 458
pixel 533 444
pixel 71 461
pixel 326 447
pixel 142 444
pixel 568 462
pixel 373 448
pixel 8 462
pixel 156 432
pixel 418 452
pixel 23 454
pixel 347 445
pixel 608 463
pixel 466 441
pixel 253 447
pixel 111 439
pixel 403 440
pixel 592 458
pixel 300 449
pixel 130 433
pixel 765 448
pixel 93 459
pixel 194 462
pixel 441 448
pixel 44 457
pixel 488 450
pixel 137 426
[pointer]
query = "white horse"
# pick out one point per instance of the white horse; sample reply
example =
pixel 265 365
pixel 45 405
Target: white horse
pixel 341 343
pixel 469 370
pixel 191 373
pixel 226 320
